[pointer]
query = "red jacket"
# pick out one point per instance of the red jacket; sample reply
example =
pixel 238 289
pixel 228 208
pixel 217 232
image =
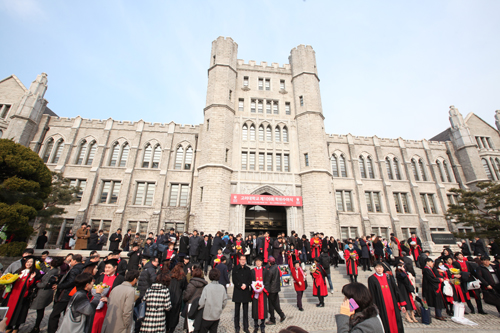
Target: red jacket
pixel 297 276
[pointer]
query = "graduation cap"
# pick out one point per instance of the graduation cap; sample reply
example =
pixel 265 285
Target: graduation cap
pixel 113 262
pixel 115 252
pixel 90 263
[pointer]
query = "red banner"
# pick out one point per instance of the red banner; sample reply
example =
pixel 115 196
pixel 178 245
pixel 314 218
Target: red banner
pixel 265 200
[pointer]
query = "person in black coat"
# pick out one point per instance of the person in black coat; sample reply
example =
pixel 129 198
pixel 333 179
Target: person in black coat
pixel 224 273
pixel 115 239
pixel 184 245
pixel 204 256
pixel 93 239
pixel 324 259
pixel 217 244
pixel 365 254
pixel 148 276
pixel 242 293
pixel 103 239
pixel 273 287
pixel 333 251
pixel 465 248
pixel 406 289
pixel 135 258
pixel 306 250
pixel 494 249
pixel 422 259
pixel 479 248
pixel 489 277
pixel 41 240
pixel 408 263
pixel 431 289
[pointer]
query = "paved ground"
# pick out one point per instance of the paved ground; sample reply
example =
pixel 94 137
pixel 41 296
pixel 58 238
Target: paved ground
pixel 322 320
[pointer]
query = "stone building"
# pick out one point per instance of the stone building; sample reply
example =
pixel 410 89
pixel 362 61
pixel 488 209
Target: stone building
pixel 262 138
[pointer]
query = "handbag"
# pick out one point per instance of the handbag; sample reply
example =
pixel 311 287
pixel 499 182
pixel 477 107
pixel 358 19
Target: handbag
pixel 72 242
pixel 70 323
pixel 473 285
pixel 426 315
pixel 140 310
pixel 447 289
pixel 247 250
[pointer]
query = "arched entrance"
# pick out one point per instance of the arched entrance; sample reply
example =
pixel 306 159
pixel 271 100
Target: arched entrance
pixel 265 218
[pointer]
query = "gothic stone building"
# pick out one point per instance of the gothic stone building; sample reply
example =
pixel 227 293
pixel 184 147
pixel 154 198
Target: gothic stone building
pixel 262 139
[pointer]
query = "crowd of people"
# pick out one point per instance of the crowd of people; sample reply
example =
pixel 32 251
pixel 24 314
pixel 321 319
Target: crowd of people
pixel 170 277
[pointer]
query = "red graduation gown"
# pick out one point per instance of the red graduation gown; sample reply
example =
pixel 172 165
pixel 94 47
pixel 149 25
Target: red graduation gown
pixel 259 305
pixel 319 288
pixel 316 244
pixel 350 263
pixel 267 241
pixel 101 313
pixel 386 297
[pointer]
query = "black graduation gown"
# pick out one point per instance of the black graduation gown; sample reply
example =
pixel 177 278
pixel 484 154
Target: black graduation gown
pixel 405 288
pixel 378 299
pixel 255 302
pixel 122 267
pixel 431 289
pixel 176 289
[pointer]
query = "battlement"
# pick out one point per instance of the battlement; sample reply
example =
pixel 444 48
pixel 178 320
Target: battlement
pixel 302 47
pixel 340 138
pixel 263 66
pixel 227 39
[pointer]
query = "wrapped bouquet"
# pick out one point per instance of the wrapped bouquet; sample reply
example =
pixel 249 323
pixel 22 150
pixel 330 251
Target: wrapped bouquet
pixel 8 280
pixel 238 248
pixel 105 291
pixel 316 242
pixel 353 255
pixel 258 287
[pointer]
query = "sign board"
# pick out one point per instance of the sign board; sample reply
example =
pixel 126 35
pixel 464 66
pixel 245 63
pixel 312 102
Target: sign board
pixel 265 200
pixel 443 238
pixel 286 279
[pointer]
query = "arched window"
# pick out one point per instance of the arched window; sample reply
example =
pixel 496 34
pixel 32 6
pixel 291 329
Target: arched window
pixel 269 134
pixel 422 169
pixel 389 168
pixel 156 157
pixel 495 168
pixel 487 169
pixel 285 134
pixel 261 133
pixel 252 133
pixel 82 152
pixel 335 169
pixel 415 169
pixel 447 172
pixel 369 163
pixel 343 169
pixel 179 156
pixel 92 149
pixel 396 169
pixel 124 155
pixel 48 150
pixel 189 158
pixel 244 133
pixel 147 156
pixel 362 167
pixel 277 134
pixel 114 154
pixel 441 171
pixel 58 151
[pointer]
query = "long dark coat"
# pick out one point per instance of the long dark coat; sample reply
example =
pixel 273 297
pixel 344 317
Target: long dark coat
pixel 217 244
pixel 205 250
pixel 255 301
pixel 431 289
pixel 378 299
pixel 242 275
pixel 114 241
pixel 92 243
pixel 365 251
pixel 176 288
pixel 405 288
pixel 194 245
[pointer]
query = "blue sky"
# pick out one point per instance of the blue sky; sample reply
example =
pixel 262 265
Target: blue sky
pixel 387 68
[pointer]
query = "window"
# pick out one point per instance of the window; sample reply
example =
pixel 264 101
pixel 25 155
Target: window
pixel 230 94
pixel 104 225
pixel 179 155
pixel 275 107
pixel 381 231
pixel 82 151
pixel 245 81
pixel 306 159
pixel 58 151
pixel 252 106
pixel 269 134
pixel 369 163
pixel 287 109
pixel 441 171
pixel 408 231
pixel 422 169
pixel 178 195
pixel 349 232
pixel 119 155
pixel 465 230
pixel 268 107
pixel 48 150
pixel 1 133
pixel 90 156
pixel 373 202
pixel 286 163
pixel 151 156
pixel 484 142
pixel 201 194
pixel 397 173
pixel 178 226
pixel 487 169
pixel 208 124
pixel 282 84
pixel 447 172
pixel 277 134
pixel 261 133
pixel 344 201
pixel 401 202
pixel 301 100
pixel 244 133
pixel 144 194
pixel 389 167
pixel 251 161
pixel 259 106
pixel 227 155
pixel 252 133
pixel 244 158
pixel 278 162
pixel 86 153
pixel 261 84
pixel 428 203
pixel 241 104
pixel 4 110
pixel 262 161
pixel 335 169
pixel 269 162
pixel 414 169
pixel 452 199
pixel 80 184
pixel 156 157
pixel 362 167
pixel 214 60
pixel 109 192
pixel 268 84
pixel 189 158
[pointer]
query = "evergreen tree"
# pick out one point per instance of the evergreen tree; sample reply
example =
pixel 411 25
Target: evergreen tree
pixel 478 209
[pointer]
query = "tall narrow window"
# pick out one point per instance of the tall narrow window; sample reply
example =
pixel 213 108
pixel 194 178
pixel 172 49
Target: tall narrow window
pixel 268 84
pixel 414 169
pixel 424 204
pixel 208 124
pixel 396 202
pixel 259 106
pixel 252 133
pixel 251 161
pixel 285 134
pixel 144 194
pixel 227 155
pixel 261 84
pixel 90 157
pixel 335 170
pixel 282 84
pixel 441 171
pixel 114 193
pixel 109 192
pixel 396 169
pixel 376 201
pixel 244 157
pixel 432 204
pixel 245 81
pixel 301 99
pixel 343 169
pixel 344 201
pixel 189 158
pixel 487 169
pixel 261 133
pixel 80 184
pixel 82 152
pixel 124 156
pixel 269 162
pixel 268 107
pixel 404 201
pixel 447 172
pixel 252 106
pixel 287 109
pixel 278 162
pixel 275 107
pixel 495 169
pixel 362 167
pixel 244 132
pixel 286 163
pixel 114 154
pixel 4 110
pixel 147 156
pixel 262 161
pixel 340 203
pixel 277 134
pixel 230 94
pixel 269 133
pixel 422 169
pixel 241 104
pixel 389 168
pixel 57 151
pixel 368 200
pixel 369 163
pixel 348 201
pixel 48 150
pixel 306 159
pixel 105 191
pixel 183 200
pixel 174 194
pixel 156 157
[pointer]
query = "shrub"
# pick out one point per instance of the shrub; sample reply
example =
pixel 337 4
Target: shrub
pixel 13 249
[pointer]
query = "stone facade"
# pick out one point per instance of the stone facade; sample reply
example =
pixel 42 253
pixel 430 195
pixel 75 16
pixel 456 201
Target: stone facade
pixel 263 133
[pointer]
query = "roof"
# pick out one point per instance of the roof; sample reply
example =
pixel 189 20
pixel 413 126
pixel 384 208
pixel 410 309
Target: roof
pixel 443 136
pixel 50 112
pixel 15 79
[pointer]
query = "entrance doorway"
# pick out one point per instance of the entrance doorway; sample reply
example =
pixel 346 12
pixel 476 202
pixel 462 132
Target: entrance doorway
pixel 265 218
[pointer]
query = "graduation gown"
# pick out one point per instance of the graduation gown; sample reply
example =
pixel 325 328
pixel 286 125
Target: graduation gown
pixel 266 250
pixel 406 288
pixel 259 305
pixel 17 299
pixel 98 318
pixel 431 288
pixel 319 285
pixel 464 268
pixel 387 298
pixel 316 247
pixel 350 263
pixel 458 290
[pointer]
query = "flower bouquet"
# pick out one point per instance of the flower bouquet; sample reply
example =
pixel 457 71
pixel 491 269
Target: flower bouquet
pixel 455 281
pixel 216 261
pixel 238 248
pixel 353 255
pixel 8 280
pixel 257 287
pixel 105 291
pixel 316 242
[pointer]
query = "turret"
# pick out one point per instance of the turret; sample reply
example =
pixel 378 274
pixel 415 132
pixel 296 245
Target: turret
pixel 497 119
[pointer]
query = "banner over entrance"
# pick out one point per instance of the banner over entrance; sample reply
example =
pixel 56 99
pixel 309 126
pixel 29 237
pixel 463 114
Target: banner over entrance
pixel 265 200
